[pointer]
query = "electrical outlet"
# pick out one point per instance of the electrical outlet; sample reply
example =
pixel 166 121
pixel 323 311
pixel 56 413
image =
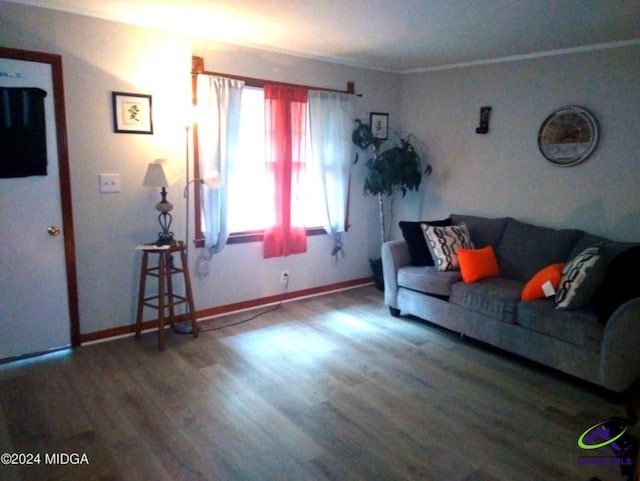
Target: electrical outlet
pixel 284 277
pixel 109 183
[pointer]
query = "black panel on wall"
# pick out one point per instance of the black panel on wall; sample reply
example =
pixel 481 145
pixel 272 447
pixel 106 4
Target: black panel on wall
pixel 23 139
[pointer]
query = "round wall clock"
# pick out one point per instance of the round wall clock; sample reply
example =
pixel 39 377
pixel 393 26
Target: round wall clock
pixel 568 136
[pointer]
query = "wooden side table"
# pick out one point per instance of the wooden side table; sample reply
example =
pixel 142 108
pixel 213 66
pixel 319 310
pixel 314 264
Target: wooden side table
pixel 165 299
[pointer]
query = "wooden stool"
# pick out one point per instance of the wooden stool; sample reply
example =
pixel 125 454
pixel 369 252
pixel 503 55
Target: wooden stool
pixel 165 298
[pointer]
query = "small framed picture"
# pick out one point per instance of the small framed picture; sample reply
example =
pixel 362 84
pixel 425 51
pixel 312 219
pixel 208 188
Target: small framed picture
pixel 132 113
pixel 379 125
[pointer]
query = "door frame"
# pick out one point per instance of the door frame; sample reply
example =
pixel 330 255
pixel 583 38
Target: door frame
pixel 55 61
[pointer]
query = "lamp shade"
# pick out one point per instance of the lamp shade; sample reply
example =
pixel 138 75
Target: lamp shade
pixel 160 173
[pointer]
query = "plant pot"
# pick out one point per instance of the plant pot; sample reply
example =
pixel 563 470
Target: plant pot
pixel 376 269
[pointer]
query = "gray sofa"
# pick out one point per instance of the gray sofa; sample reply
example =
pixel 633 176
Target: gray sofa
pixel 599 342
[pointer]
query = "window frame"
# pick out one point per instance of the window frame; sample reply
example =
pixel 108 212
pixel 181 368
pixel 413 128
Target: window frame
pixel 197 68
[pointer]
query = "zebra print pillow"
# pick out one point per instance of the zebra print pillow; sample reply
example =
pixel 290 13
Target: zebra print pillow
pixel 580 279
pixel 444 242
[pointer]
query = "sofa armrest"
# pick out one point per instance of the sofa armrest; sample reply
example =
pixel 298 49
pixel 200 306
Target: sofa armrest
pixel 395 254
pixel 620 348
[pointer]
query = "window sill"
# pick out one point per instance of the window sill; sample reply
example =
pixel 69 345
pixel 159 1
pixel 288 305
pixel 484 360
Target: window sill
pixel 255 236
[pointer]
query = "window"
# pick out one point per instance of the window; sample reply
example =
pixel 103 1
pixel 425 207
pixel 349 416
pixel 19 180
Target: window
pixel 231 138
pixel 248 212
pixel 246 177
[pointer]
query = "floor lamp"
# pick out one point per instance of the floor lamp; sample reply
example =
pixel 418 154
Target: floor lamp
pixel 211 180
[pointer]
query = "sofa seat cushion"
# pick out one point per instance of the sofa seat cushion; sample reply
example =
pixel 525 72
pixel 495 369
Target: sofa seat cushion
pixel 495 297
pixel 428 279
pixel 579 327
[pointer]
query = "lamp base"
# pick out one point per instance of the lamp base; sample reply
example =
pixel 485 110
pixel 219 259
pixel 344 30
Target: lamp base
pixel 165 239
pixel 165 236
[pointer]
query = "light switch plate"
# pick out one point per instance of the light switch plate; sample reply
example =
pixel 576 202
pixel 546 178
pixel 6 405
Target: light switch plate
pixel 109 183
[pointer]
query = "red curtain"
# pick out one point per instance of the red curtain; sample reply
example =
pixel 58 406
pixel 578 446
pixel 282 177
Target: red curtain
pixel 285 124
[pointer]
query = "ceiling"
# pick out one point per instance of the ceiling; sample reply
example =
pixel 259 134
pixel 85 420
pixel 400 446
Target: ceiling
pixel 389 35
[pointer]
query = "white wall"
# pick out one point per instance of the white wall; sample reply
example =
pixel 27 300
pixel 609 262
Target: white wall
pixel 102 56
pixel 503 173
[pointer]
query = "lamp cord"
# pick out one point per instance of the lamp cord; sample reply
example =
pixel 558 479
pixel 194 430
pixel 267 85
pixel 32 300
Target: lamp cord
pixel 186 195
pixel 255 316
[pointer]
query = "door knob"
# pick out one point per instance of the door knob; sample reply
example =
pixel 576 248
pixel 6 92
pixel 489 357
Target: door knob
pixel 53 230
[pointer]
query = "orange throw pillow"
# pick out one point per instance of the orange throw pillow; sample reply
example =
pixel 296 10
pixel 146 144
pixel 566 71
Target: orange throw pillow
pixel 533 288
pixel 476 264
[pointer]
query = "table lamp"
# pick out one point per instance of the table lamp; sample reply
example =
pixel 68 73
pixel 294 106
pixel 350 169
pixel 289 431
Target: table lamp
pixel 161 174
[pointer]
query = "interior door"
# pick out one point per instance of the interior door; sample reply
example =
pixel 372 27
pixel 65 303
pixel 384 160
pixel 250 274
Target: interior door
pixel 38 297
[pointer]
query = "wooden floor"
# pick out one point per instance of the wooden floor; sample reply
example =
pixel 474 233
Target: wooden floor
pixel 328 388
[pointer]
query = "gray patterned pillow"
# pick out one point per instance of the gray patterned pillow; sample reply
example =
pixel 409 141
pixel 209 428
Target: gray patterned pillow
pixel 444 242
pixel 580 279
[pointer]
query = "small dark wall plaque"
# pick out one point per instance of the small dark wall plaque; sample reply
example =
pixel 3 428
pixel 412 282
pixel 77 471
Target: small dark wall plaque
pixel 483 128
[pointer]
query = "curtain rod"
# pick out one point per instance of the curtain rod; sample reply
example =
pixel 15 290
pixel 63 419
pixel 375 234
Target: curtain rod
pixel 197 68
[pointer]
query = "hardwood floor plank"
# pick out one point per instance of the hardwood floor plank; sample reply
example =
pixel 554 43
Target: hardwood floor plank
pixel 328 388
pixel 9 472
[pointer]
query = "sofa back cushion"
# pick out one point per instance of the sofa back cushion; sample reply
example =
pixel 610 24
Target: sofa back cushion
pixel 610 248
pixel 483 231
pixel 525 248
pixel 619 284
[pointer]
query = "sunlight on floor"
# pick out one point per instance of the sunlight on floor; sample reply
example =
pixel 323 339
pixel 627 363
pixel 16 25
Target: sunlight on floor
pixel 273 342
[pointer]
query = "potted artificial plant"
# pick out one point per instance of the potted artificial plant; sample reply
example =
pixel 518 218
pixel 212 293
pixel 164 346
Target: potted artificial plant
pixel 397 168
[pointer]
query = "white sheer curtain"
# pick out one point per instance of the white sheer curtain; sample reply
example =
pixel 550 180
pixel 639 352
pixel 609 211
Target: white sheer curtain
pixel 331 123
pixel 219 101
